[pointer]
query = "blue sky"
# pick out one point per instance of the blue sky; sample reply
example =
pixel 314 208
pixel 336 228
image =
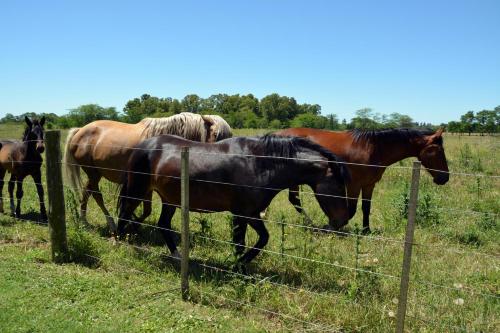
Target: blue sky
pixel 433 60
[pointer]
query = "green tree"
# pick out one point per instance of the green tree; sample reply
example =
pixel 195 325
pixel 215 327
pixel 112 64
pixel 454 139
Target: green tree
pixel 88 113
pixel 191 103
pixel 363 120
pixel 469 121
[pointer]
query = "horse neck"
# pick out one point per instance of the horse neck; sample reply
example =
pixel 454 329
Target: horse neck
pixel 308 167
pixel 29 148
pixel 292 172
pixel 387 153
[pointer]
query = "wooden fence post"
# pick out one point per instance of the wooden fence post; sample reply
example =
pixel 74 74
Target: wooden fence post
pixel 408 246
pixel 57 216
pixel 185 222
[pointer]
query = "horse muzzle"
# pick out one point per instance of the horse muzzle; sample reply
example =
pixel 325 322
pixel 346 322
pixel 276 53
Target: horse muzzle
pixel 441 178
pixel 40 148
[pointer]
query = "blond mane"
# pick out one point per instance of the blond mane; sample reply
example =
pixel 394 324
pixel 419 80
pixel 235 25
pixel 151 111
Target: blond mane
pixel 186 124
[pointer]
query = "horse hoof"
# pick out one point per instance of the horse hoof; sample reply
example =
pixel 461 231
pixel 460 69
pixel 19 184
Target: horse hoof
pixel 325 229
pixel 366 231
pixel 240 269
pixel 176 255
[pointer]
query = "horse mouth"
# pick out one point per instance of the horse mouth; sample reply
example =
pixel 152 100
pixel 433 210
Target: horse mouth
pixel 40 149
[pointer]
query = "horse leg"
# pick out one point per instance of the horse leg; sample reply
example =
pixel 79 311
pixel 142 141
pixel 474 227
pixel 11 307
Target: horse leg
pixel 293 197
pixel 239 232
pixel 86 193
pixel 165 225
pixel 366 206
pixel 19 195
pixel 2 175
pixel 147 209
pixel 127 207
pixel 12 184
pixel 261 230
pixel 96 193
pixel 37 177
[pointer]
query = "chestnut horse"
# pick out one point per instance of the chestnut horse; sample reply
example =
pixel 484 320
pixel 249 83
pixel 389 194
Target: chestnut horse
pixel 224 176
pixel 381 148
pixel 102 149
pixel 21 159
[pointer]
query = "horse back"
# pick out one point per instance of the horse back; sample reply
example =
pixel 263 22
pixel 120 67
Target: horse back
pixel 13 153
pixel 346 147
pixel 340 143
pixel 105 145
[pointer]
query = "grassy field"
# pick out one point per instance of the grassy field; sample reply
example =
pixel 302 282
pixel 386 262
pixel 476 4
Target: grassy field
pixel 133 286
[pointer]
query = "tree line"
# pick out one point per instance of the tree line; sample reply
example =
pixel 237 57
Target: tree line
pixel 485 121
pixel 246 111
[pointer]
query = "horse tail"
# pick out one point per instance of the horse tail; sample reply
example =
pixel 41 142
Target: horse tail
pixel 72 169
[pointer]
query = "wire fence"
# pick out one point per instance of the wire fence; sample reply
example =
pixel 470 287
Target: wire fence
pixel 357 236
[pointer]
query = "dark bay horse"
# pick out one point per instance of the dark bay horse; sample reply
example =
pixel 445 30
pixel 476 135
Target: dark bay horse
pixel 381 148
pixel 214 168
pixel 21 159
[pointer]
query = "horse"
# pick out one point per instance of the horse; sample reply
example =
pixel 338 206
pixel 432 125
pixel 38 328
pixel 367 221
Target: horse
pixel 377 149
pixel 240 175
pixel 101 148
pixel 21 159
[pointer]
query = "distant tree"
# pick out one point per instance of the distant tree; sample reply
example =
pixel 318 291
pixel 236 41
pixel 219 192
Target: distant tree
pixel 333 122
pixel 454 127
pixel 191 103
pixel 469 122
pixel 309 120
pixel 363 120
pixel 85 114
pixel 9 118
pixel 395 120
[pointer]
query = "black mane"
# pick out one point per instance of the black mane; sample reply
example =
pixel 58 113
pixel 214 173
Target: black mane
pixel 389 135
pixel 289 146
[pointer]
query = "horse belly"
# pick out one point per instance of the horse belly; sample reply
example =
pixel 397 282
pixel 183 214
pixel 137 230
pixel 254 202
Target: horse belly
pixel 204 198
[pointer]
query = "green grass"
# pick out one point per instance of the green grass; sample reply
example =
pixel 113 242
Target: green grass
pixel 130 286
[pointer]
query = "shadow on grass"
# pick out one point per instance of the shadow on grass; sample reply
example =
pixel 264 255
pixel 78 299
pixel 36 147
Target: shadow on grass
pixel 220 273
pixel 30 217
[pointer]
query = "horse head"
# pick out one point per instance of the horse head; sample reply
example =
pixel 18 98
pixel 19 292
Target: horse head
pixel 210 129
pixel 331 188
pixel 34 133
pixel 433 157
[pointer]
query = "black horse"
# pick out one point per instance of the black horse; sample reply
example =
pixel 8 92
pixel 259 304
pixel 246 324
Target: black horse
pixel 241 175
pixel 21 159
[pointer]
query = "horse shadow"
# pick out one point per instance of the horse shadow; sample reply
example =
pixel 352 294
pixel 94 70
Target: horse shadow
pixel 144 235
pixel 220 273
pixel 29 217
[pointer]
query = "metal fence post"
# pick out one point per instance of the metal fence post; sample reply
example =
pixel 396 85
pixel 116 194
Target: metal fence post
pixel 185 222
pixel 410 227
pixel 57 217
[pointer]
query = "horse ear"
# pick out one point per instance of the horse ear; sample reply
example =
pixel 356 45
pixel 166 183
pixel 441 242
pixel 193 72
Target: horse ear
pixel 42 121
pixel 209 121
pixel 28 121
pixel 436 137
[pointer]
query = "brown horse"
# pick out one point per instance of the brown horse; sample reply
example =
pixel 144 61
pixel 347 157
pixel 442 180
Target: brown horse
pixel 102 149
pixel 380 148
pixel 21 159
